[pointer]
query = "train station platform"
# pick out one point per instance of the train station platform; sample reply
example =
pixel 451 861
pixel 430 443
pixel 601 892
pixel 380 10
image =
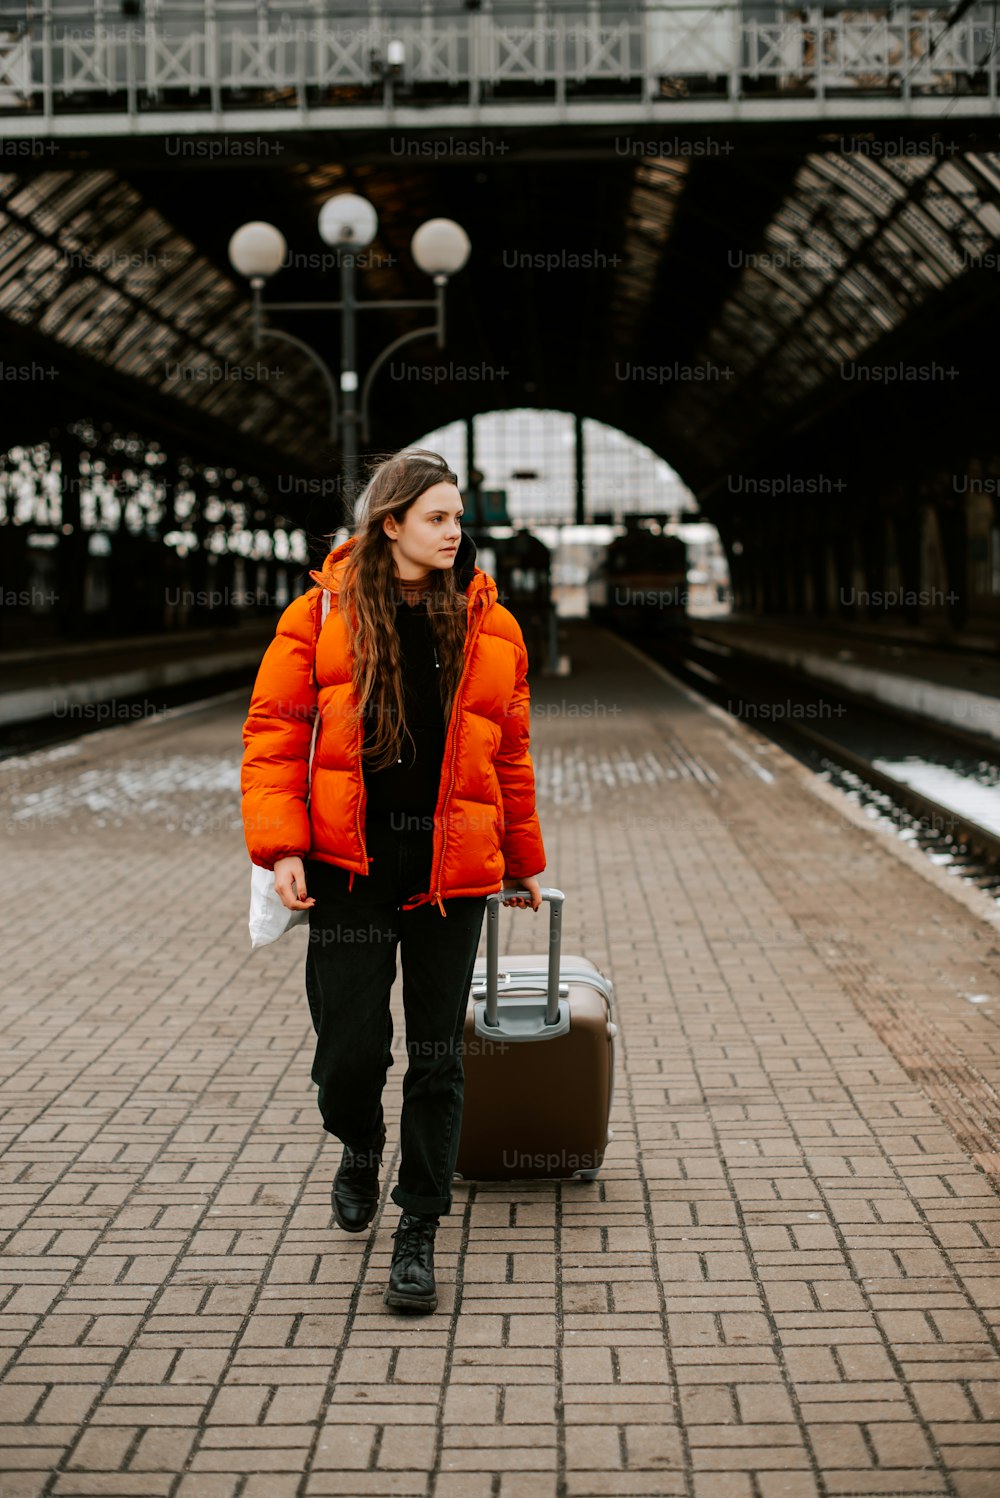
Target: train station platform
pixel 75 680
pixel 958 686
pixel 784 1284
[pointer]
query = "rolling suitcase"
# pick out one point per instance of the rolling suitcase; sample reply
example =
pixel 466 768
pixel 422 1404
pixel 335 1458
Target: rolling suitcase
pixel 539 1061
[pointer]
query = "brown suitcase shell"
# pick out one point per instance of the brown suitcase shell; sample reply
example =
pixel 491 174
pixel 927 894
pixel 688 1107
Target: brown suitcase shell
pixel 538 1108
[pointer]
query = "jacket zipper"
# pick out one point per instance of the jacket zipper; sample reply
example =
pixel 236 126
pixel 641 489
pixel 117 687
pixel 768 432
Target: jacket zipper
pixel 362 804
pixel 436 869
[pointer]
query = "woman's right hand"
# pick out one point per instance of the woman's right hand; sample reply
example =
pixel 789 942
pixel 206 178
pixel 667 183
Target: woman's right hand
pixel 290 883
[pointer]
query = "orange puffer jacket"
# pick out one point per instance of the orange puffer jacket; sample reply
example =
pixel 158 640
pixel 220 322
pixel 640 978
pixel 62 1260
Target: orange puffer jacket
pixel 485 823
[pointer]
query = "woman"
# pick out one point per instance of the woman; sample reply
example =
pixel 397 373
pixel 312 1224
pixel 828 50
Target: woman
pixel 422 803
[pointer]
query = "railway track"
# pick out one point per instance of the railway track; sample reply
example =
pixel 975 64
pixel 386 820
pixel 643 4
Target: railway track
pixel 872 752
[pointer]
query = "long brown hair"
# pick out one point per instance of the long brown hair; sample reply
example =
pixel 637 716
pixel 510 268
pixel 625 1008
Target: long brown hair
pixel 368 604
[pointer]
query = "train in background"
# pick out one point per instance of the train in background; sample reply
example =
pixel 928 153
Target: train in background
pixel 640 584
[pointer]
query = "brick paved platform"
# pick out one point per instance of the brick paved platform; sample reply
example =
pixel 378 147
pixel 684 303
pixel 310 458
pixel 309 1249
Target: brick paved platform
pixel 785 1283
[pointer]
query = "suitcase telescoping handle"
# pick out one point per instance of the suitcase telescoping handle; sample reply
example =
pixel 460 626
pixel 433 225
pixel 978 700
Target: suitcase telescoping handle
pixel 554 898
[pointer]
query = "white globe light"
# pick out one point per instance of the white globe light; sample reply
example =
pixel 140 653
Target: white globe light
pixel 440 247
pixel 257 249
pixel 347 220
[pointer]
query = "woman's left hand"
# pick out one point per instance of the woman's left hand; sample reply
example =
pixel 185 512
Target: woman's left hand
pixel 533 887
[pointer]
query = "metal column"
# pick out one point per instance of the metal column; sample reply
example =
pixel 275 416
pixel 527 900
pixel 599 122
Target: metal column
pixel 348 385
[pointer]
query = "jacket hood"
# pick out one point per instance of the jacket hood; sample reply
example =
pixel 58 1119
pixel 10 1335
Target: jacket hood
pixel 471 580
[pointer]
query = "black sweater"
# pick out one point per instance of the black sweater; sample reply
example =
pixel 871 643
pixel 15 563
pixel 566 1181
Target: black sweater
pixel 410 786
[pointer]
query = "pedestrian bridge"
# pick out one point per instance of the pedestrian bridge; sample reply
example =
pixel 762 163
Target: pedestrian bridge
pixel 102 70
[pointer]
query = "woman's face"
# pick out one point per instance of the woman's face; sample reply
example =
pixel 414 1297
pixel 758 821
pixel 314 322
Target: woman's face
pixel 428 534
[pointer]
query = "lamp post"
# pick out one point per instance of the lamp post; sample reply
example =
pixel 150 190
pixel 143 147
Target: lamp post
pixel 348 223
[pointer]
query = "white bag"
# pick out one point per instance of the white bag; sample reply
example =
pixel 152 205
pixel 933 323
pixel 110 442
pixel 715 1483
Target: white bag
pixel 269 916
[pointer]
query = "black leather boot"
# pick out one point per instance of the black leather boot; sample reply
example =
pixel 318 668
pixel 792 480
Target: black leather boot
pixel 411 1277
pixel 356 1187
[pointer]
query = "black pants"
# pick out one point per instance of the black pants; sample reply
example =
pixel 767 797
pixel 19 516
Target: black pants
pixel 350 969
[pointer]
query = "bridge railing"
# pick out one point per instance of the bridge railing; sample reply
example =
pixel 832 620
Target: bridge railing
pixel 64 58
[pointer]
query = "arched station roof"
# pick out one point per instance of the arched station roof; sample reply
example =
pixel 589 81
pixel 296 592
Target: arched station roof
pixel 704 295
